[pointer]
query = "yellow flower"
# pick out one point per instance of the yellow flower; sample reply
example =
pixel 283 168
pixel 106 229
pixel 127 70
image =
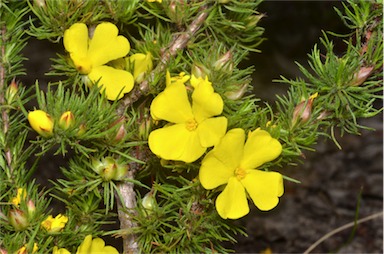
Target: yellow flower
pixel 91 54
pixel 142 63
pixel 151 1
pixel 194 128
pixel 53 225
pixel 56 250
pixel 41 122
pixel 21 193
pixel 234 163
pixel 97 245
pixel 23 250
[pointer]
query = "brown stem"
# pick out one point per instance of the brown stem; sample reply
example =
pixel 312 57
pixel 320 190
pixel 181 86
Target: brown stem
pixel 125 207
pixel 178 43
pixel 4 111
pixel 128 202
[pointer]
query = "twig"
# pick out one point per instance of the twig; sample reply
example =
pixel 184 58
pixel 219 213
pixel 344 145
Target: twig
pixel 4 111
pixel 337 230
pixel 128 202
pixel 178 43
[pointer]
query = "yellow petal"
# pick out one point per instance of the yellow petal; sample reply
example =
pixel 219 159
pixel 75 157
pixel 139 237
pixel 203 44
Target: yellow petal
pixel 85 245
pixel 142 63
pixel 212 130
pixel 232 202
pixel 230 149
pixel 172 105
pixel 106 45
pixel 110 250
pixel 175 142
pixel 259 149
pixel 76 40
pixel 97 246
pixel 41 122
pixel 113 81
pixel 205 102
pixel 264 188
pixel 213 172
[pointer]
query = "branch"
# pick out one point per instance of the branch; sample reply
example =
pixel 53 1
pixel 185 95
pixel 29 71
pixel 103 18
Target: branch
pixel 177 44
pixel 4 111
pixel 128 202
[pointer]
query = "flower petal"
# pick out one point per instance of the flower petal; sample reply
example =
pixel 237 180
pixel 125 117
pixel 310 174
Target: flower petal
pixel 213 172
pixel 97 246
pixel 85 245
pixel 232 202
pixel 221 162
pixel 205 102
pixel 76 40
pixel 115 82
pixel 259 149
pixel 142 63
pixel 230 149
pixel 175 142
pixel 172 104
pixel 212 130
pixel 106 45
pixel 264 188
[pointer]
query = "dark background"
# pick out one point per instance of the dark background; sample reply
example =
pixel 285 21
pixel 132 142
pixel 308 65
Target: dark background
pixel 332 179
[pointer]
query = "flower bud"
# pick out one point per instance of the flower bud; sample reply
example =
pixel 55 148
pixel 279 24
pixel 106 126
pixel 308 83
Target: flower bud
pixel 12 91
pixel 175 10
pixel 39 3
pixel 121 131
pixel 18 219
pixel 199 70
pixel 148 201
pixel 141 64
pixel 303 110
pixel 361 75
pixel 41 122
pixel 145 124
pixel 224 63
pixel 253 20
pixel 67 120
pixel 82 129
pixel 31 208
pixel 237 94
pixel 109 169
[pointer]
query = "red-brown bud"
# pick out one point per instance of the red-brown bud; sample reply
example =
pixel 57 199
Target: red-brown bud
pixel 303 110
pixel 361 75
pixel 18 219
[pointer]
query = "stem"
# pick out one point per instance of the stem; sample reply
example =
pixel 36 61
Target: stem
pixel 178 43
pixel 125 207
pixel 4 111
pixel 128 202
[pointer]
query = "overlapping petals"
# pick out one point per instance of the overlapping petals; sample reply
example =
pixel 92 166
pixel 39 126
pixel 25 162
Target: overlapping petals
pixel 193 127
pixel 234 163
pixel 91 54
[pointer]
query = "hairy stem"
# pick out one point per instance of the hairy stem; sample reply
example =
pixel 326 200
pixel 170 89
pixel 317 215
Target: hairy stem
pixel 128 202
pixel 178 43
pixel 4 111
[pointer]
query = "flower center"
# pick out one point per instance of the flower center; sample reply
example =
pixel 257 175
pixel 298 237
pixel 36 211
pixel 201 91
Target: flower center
pixel 191 125
pixel 240 173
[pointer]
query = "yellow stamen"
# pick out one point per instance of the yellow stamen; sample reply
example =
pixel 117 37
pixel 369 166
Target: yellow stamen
pixel 191 125
pixel 240 173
